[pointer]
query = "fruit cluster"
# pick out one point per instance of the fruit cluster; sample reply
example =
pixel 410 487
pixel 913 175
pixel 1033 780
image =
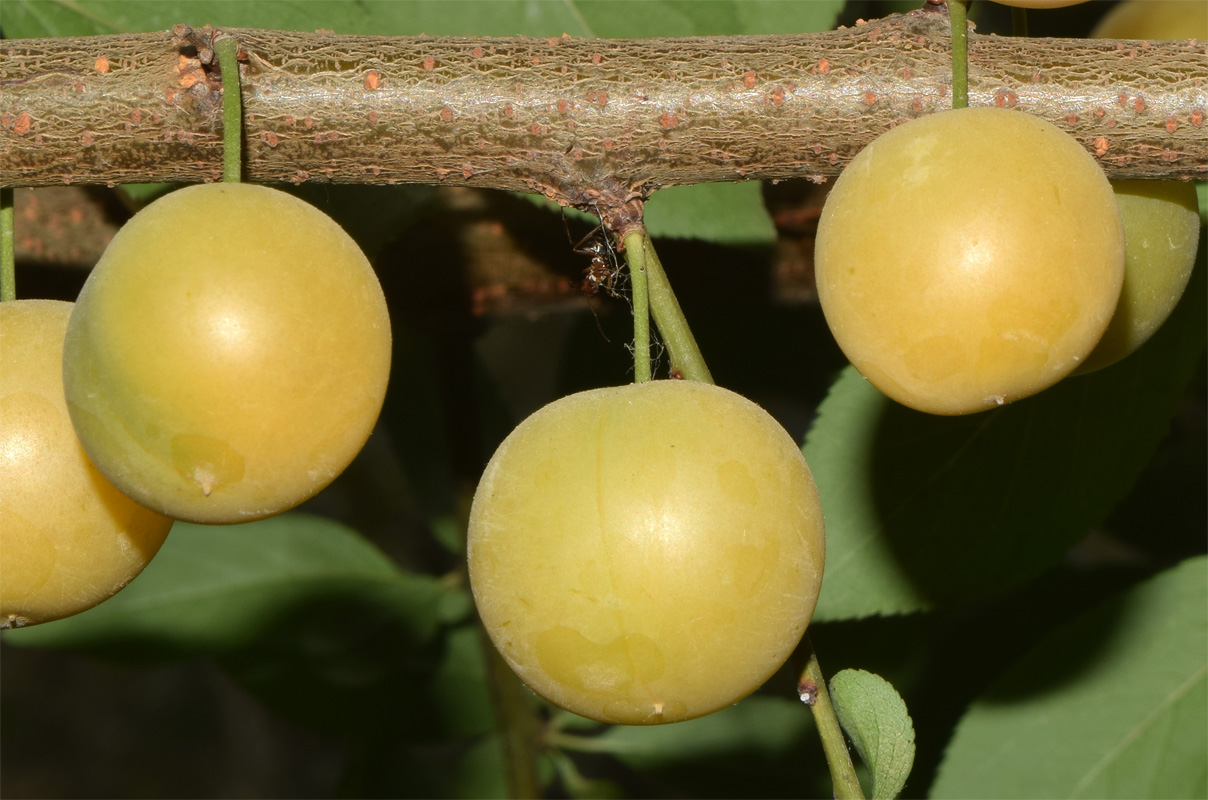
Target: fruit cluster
pixel 954 290
pixel 225 360
pixel 639 554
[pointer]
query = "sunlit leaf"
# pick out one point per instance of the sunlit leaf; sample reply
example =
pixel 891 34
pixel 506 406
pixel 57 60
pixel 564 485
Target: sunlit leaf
pixel 1111 705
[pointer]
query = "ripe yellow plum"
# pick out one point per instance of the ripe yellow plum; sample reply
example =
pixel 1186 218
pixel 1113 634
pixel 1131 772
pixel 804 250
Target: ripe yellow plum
pixel 1161 237
pixel 1161 223
pixel 1155 19
pixel 228 356
pixel 647 553
pixel 969 258
pixel 68 538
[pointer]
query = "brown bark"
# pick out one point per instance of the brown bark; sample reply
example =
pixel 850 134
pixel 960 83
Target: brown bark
pixel 572 118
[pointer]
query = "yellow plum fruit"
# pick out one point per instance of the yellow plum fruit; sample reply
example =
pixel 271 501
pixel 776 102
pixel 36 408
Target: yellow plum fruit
pixel 1161 237
pixel 228 356
pixel 969 258
pixel 1155 20
pixel 647 553
pixel 68 538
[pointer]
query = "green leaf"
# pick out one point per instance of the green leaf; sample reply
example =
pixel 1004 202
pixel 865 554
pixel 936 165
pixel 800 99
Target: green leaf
pixel 623 19
pixel 1111 705
pixel 142 193
pixel 30 18
pixel 875 719
pixel 212 590
pixel 722 213
pixel 924 510
pixel 611 18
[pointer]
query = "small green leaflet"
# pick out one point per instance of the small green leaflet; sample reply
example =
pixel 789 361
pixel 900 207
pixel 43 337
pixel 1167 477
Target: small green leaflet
pixel 875 719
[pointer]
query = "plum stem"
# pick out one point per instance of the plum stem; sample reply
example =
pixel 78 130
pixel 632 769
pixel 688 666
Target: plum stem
pixel 958 19
pixel 814 694
pixel 8 261
pixel 227 49
pixel 686 358
pixel 635 259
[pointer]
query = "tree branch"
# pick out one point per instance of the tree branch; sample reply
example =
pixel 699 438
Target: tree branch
pixel 571 118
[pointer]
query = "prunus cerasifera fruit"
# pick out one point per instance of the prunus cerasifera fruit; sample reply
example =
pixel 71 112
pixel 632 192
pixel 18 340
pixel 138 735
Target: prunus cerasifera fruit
pixel 1155 20
pixel 648 553
pixel 228 355
pixel 969 258
pixel 68 538
pixel 1161 236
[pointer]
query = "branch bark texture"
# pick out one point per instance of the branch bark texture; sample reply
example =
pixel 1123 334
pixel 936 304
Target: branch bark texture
pixel 572 118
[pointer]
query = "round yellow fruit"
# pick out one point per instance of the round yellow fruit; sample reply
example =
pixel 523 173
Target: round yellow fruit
pixel 68 538
pixel 1161 237
pixel 969 258
pixel 647 553
pixel 228 356
pixel 1155 20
